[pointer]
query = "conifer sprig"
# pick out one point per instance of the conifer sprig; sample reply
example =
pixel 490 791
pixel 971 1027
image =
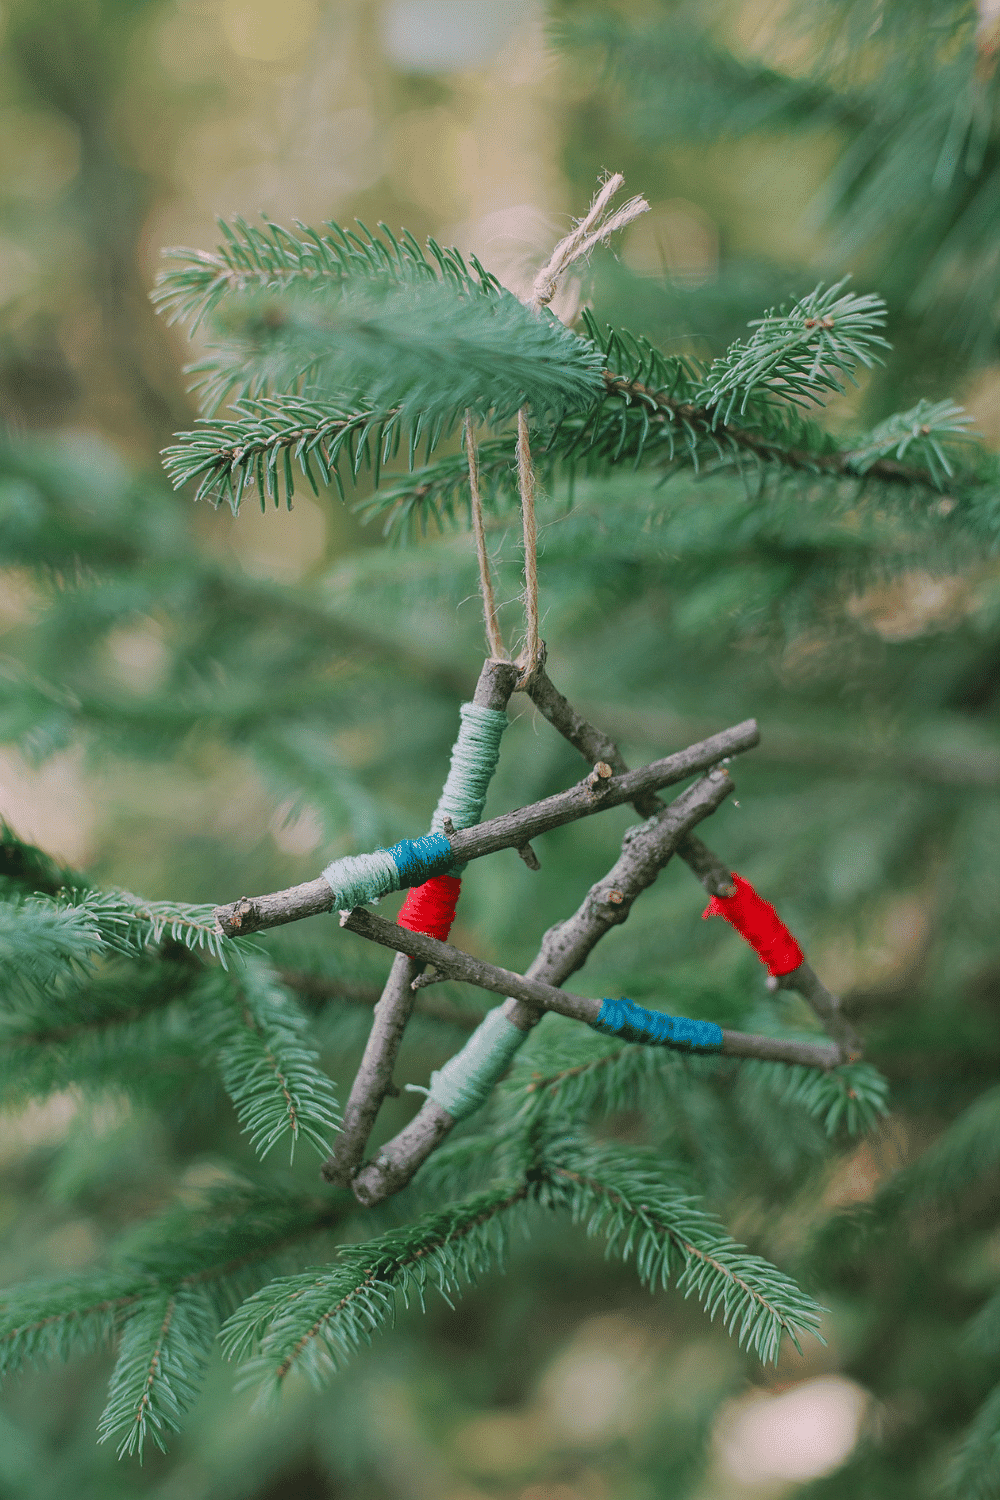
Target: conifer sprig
pixel 626 1196
pixel 596 1080
pixel 315 1322
pixel 172 1283
pixel 739 413
pixel 162 1358
pixel 269 1069
pixel 269 258
pixel 798 355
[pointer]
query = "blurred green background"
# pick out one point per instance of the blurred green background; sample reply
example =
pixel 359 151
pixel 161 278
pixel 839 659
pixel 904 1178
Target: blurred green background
pixel 130 125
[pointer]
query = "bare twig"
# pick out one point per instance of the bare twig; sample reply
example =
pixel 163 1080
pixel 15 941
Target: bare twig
pixel 594 229
pixel 597 747
pixel 565 948
pixel 374 1076
pixel 542 997
pixel 704 865
pixel 509 831
pixel 526 485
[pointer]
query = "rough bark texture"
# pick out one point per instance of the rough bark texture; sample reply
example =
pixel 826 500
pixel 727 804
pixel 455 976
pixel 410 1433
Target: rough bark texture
pixel 510 831
pixel 565 948
pixel 706 866
pixel 374 1076
pixel 594 745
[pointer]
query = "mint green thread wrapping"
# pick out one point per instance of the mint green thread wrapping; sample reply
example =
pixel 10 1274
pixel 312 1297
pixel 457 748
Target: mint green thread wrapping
pixel 473 761
pixel 359 878
pixel 466 1080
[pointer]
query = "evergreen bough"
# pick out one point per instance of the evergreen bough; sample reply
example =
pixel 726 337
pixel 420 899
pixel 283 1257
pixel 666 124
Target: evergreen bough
pixel 343 350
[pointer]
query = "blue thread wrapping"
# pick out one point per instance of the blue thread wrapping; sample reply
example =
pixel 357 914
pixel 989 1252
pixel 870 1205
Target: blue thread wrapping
pixel 634 1023
pixel 418 859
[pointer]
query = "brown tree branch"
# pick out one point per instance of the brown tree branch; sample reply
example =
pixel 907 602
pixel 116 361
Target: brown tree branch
pixel 509 831
pixel 565 948
pixel 704 865
pixel 374 1076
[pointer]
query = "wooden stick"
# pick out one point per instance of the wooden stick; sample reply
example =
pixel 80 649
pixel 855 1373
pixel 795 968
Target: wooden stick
pixel 509 831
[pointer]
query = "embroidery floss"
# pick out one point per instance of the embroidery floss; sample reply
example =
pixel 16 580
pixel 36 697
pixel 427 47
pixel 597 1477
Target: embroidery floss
pixel 431 907
pixel 634 1023
pixel 359 878
pixel 467 1079
pixel 759 924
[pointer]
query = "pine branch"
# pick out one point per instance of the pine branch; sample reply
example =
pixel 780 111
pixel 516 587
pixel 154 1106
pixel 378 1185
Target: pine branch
pixel 624 1195
pixel 315 1322
pixel 273 259
pixel 738 413
pixel 164 1353
pixel 609 1080
pixel 270 1071
pixel 128 1029
pixel 852 1095
pixel 425 349
pixel 176 1278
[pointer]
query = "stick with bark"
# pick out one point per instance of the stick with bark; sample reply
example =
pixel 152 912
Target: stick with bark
pixel 565 948
pixel 594 744
pixel 511 830
pixel 374 1076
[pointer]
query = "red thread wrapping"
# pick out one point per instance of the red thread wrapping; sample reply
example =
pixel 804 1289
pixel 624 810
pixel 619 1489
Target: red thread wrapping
pixel 430 908
pixel 757 921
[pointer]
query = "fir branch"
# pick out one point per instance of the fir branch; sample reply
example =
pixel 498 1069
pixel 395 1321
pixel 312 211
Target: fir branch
pixel 794 356
pixel 671 413
pixel 268 1068
pixel 853 1095
pixel 314 1322
pixel 605 1080
pixel 164 1353
pixel 425 349
pixel 273 259
pixel 625 1196
pixel 254 446
pixel 174 1280
pixel 49 1320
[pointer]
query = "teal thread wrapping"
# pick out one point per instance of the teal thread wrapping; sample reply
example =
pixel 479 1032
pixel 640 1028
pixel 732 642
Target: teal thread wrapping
pixel 466 1080
pixel 418 859
pixel 473 760
pixel 634 1023
pixel 359 878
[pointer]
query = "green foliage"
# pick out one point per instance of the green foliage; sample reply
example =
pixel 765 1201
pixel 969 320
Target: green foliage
pixel 164 1350
pixel 313 1322
pixel 769 587
pixel 346 360
pixel 737 412
pixel 625 1196
pixel 270 1070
